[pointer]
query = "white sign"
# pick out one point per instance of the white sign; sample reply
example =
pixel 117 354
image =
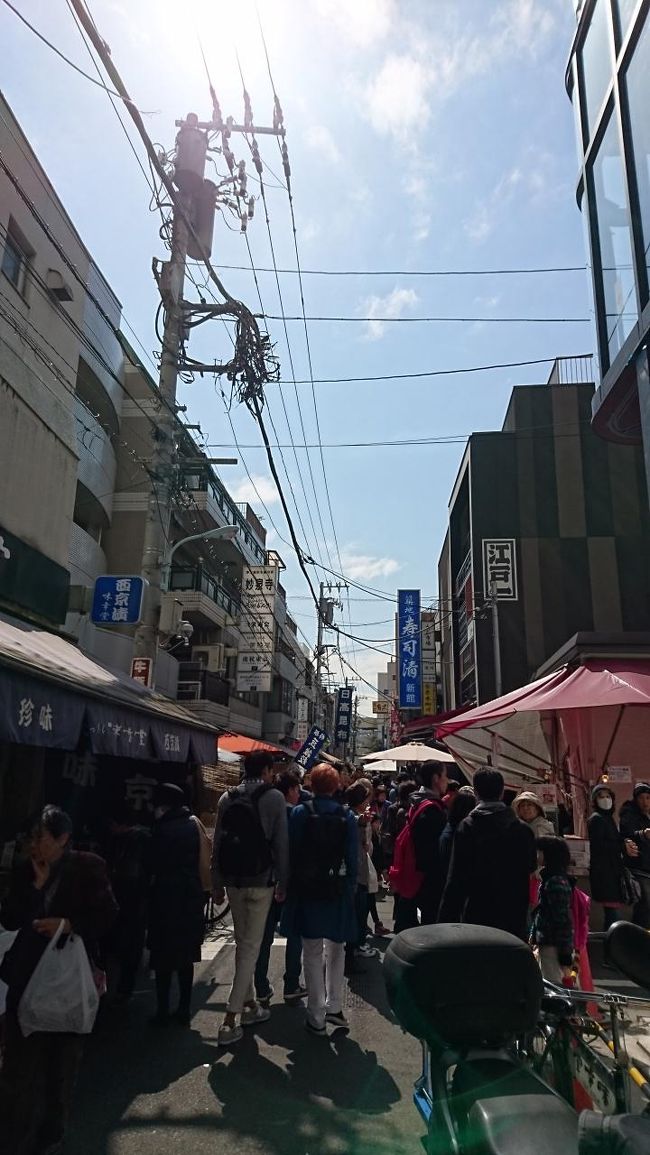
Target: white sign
pixel 302 730
pixel 579 850
pixel 619 773
pixel 428 670
pixel 260 581
pixel 303 711
pixel 500 568
pixel 259 680
pixel 258 633
pixel 547 794
pixel 252 660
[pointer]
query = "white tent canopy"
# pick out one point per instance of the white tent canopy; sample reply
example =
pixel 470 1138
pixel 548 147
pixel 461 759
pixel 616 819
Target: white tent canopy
pixel 411 752
pixel 384 765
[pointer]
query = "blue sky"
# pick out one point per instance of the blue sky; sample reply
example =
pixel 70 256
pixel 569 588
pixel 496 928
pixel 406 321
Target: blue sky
pixel 423 134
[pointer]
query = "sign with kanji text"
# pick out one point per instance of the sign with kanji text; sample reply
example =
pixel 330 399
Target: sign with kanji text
pixel 428 698
pixel 141 670
pixel 343 715
pixel 117 600
pixel 618 773
pixel 500 568
pixel 381 707
pixel 259 586
pixel 409 649
pixel 311 748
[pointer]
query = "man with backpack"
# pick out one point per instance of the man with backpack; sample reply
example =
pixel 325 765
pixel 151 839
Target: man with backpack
pixel 417 874
pixel 320 905
pixel 250 860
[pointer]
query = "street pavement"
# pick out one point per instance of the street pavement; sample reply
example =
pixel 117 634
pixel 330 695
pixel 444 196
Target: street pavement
pixel 279 1091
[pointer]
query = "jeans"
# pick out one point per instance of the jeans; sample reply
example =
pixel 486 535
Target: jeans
pixel 292 957
pixel 641 912
pixel 249 906
pixel 324 963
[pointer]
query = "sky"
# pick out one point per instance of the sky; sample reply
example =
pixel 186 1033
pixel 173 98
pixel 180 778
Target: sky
pixel 423 135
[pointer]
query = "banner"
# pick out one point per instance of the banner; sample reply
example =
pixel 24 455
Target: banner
pixel 343 715
pixel 257 627
pixel 409 649
pixel 309 751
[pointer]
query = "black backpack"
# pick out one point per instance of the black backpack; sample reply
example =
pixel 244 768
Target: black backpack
pixel 317 870
pixel 244 851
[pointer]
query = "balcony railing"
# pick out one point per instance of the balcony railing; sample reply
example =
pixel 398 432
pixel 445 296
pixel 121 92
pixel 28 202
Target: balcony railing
pixel 201 483
pixel 196 684
pixel 196 580
pixel 572 370
pixel 463 573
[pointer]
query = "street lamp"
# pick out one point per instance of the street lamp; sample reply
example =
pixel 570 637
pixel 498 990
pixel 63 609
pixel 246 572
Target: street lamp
pixel 224 533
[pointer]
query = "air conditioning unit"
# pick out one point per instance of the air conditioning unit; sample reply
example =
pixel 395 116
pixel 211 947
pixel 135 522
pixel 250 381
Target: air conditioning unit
pixel 212 658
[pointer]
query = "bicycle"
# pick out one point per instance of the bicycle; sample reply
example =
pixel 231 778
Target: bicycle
pixel 563 1048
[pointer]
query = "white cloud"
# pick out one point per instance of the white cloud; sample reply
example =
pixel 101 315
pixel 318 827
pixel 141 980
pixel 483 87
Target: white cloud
pixel 320 140
pixel 534 180
pixel 360 23
pixel 394 304
pixel 245 490
pixel 397 97
pixel 365 567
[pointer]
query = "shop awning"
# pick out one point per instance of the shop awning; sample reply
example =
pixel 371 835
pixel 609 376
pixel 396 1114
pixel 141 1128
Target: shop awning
pixel 50 692
pixel 241 744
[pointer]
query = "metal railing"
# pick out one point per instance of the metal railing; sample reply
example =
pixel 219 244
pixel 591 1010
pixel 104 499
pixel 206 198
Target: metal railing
pixel 572 370
pixel 195 580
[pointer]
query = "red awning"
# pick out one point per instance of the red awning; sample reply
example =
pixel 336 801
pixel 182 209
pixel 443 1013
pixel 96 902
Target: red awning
pixel 240 744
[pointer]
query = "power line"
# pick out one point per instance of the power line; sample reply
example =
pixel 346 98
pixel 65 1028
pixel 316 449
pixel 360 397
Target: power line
pixel 71 63
pixel 442 320
pixel 415 442
pixel 417 272
pixel 434 372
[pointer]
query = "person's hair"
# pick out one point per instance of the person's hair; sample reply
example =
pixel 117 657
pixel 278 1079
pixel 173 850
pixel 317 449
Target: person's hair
pixel 427 771
pixel 287 781
pixel 256 763
pixel 460 806
pixel 557 856
pixel 356 794
pixel 453 786
pixel 54 821
pixel 324 779
pixel 170 795
pixel 488 784
pixel 404 791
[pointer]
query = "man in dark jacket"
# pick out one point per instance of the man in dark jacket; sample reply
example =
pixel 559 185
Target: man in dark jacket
pixel 427 828
pixel 38 1074
pixel 634 824
pixel 176 920
pixel 493 857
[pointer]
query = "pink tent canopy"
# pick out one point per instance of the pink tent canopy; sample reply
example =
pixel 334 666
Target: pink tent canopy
pixel 588 718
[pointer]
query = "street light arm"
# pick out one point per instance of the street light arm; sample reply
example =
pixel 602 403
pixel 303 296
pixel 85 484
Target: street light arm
pixel 184 541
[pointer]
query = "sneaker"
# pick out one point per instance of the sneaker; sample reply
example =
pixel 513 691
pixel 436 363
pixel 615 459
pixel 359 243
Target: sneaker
pixel 337 1019
pixel 227 1035
pixel 264 1000
pixel 314 1029
pixel 380 930
pixel 366 952
pixel 295 996
pixel 253 1015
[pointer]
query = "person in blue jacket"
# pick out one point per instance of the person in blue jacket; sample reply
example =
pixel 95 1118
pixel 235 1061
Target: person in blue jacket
pixel 323 851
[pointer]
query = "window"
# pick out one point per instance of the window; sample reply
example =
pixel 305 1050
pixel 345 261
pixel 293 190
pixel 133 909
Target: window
pixel 16 257
pixel 638 94
pixel 597 64
pixel 612 222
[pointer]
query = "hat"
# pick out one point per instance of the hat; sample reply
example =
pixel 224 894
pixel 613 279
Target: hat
pixel 641 788
pixel 527 796
pixel 168 794
pixel 599 788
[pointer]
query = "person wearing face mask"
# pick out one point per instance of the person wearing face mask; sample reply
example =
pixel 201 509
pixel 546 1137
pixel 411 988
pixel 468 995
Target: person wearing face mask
pixel 635 829
pixel 606 855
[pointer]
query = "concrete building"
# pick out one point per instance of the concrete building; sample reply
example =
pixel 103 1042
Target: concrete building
pixel 554 521
pixel 608 80
pixel 42 309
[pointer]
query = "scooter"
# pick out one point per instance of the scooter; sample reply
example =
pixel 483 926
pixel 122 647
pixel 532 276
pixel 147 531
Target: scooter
pixel 468 993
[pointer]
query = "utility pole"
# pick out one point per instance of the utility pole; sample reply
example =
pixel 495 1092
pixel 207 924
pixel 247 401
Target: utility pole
pixel 496 641
pixel 157 525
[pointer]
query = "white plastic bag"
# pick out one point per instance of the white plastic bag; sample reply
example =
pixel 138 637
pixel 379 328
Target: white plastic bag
pixel 7 940
pixel 61 994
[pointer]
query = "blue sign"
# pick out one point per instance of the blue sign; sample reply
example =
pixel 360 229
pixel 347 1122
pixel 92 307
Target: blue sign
pixel 343 715
pixel 409 649
pixel 309 751
pixel 117 601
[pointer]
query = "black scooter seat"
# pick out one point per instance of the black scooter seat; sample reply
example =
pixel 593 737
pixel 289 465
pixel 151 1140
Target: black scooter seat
pixel 523 1125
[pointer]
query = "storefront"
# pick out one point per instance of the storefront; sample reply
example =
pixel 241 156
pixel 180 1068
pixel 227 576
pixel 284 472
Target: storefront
pixel 79 735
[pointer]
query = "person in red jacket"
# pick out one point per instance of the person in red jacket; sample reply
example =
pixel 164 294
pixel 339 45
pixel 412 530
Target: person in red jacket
pixel 38 1074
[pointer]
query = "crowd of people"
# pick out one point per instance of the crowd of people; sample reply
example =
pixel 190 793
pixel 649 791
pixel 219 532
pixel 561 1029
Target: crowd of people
pixel 307 856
